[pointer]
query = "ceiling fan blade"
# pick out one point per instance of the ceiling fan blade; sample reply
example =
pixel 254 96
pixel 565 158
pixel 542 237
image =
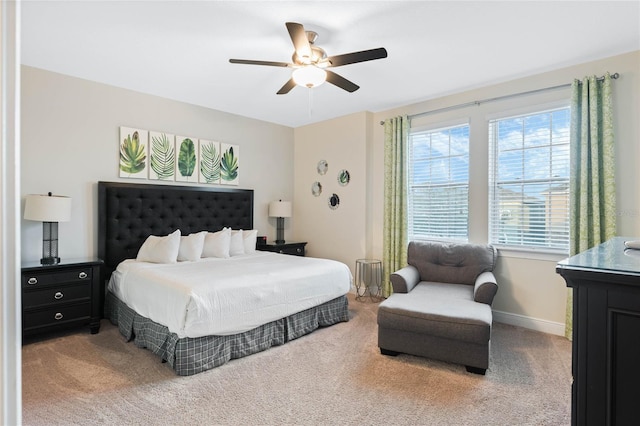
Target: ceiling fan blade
pixel 341 82
pixel 362 56
pixel 287 87
pixel 252 62
pixel 300 40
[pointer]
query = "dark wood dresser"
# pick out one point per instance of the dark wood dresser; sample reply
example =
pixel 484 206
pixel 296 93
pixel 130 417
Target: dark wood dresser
pixel 61 296
pixel 606 332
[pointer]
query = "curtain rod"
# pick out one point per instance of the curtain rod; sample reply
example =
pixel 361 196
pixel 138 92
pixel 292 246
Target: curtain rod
pixel 499 98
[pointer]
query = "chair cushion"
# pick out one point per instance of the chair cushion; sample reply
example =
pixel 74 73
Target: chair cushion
pixel 450 262
pixel 438 309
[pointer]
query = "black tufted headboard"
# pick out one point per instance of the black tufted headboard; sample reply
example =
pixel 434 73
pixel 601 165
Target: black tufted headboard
pixel 128 213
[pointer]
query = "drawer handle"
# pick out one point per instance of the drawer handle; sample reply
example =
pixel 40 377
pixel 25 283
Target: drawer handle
pixel 82 275
pixel 58 295
pixel 32 281
pixel 58 316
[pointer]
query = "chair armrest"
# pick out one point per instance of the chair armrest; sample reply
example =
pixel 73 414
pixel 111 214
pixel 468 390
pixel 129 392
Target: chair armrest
pixel 485 288
pixel 405 279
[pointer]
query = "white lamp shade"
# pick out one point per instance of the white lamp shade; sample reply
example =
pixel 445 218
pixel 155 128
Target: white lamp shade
pixel 309 76
pixel 280 209
pixel 47 208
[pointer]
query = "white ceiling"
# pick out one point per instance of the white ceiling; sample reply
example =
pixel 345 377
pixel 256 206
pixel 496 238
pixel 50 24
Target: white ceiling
pixel 180 50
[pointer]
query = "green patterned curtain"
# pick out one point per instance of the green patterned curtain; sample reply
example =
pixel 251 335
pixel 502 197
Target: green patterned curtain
pixel 395 242
pixel 592 202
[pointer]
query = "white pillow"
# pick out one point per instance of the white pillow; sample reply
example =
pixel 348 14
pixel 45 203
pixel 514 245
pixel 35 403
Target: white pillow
pixel 160 249
pixel 191 246
pixel 249 239
pixel 216 244
pixel 236 246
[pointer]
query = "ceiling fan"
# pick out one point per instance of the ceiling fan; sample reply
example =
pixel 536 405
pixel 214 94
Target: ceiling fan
pixel 310 62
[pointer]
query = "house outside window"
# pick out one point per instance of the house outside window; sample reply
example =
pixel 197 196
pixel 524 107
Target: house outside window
pixel 529 181
pixel 439 183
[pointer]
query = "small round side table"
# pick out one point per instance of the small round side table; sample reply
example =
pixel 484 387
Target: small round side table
pixel 368 280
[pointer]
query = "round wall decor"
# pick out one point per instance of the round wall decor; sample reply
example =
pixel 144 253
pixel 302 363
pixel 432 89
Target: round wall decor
pixel 334 201
pixel 344 177
pixel 316 189
pixel 322 167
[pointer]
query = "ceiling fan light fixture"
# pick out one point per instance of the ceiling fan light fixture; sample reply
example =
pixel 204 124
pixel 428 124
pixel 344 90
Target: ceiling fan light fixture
pixel 309 76
pixel 309 62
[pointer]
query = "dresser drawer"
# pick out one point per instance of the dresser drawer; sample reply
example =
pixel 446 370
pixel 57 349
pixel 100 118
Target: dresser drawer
pixel 34 279
pixel 56 295
pixel 56 315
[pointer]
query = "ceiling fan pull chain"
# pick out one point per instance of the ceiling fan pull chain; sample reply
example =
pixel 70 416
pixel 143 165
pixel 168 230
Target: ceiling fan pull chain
pixel 310 111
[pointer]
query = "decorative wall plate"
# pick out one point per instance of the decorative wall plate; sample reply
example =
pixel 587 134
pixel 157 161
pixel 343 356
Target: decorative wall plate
pixel 323 166
pixel 344 177
pixel 334 201
pixel 316 189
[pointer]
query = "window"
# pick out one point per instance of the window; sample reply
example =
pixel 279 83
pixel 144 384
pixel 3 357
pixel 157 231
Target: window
pixel 529 180
pixel 439 183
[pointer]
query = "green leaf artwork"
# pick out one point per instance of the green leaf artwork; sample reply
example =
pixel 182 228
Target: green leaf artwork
pixel 132 154
pixel 209 163
pixel 163 157
pixel 187 158
pixel 229 166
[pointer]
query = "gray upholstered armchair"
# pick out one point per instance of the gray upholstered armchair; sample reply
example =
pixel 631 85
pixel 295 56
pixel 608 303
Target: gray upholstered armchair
pixel 441 305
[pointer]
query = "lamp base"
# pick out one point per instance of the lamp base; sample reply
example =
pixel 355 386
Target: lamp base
pixel 49 244
pixel 280 231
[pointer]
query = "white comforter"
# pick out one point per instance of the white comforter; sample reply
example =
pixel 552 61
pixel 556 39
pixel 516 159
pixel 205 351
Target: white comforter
pixel 227 296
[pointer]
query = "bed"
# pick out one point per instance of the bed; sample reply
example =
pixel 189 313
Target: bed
pixel 197 315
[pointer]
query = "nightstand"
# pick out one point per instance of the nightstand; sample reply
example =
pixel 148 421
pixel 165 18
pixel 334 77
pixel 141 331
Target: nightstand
pixel 296 249
pixel 61 296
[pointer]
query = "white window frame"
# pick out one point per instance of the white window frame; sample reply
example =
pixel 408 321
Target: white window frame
pixel 494 167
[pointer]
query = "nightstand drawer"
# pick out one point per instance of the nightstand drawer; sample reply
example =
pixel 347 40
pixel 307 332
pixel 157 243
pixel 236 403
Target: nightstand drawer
pixel 56 315
pixel 53 278
pixel 56 295
pixel 297 251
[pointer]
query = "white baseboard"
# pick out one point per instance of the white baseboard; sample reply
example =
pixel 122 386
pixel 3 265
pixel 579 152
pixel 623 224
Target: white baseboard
pixel 536 324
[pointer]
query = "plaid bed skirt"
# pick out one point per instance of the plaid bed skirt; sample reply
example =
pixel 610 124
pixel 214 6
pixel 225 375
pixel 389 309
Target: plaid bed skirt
pixel 189 355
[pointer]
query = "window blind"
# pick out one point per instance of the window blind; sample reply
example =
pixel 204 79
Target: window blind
pixel 439 183
pixel 529 180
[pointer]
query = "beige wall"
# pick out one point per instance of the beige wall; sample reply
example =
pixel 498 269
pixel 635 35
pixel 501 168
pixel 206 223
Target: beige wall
pixel 531 293
pixel 70 132
pixel 338 234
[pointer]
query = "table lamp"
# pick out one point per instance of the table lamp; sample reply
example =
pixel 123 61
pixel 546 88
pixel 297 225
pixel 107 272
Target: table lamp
pixel 280 209
pixel 48 209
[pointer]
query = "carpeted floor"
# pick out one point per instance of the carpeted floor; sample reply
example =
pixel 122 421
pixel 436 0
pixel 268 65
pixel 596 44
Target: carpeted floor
pixel 335 375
